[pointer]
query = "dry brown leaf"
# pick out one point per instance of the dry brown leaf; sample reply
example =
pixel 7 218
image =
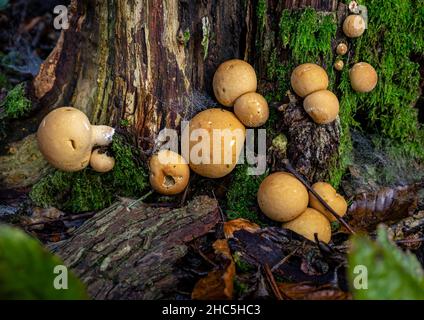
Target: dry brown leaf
pixel 218 284
pixel 308 291
pixel 239 224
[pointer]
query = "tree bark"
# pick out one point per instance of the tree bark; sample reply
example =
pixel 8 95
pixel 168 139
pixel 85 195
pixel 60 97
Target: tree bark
pixel 130 253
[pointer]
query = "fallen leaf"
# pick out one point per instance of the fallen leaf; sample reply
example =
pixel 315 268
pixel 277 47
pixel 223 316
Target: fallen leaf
pixel 309 291
pixel 239 224
pixel 218 284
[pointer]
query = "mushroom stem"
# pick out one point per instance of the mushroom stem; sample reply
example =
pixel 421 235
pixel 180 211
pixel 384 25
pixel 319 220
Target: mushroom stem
pixel 102 135
pixel 306 184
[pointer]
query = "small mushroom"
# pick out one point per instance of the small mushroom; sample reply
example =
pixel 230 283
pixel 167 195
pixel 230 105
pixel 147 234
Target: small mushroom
pixel 232 79
pixel 339 65
pixel 309 223
pixel 169 172
pixel 322 106
pixel 341 49
pixel 66 137
pixel 363 77
pixel 308 78
pixel 331 197
pixel 252 109
pixel 282 197
pixel 101 161
pixel 220 126
pixel 354 26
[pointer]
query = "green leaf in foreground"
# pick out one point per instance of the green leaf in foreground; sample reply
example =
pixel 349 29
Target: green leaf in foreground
pixel 391 273
pixel 27 270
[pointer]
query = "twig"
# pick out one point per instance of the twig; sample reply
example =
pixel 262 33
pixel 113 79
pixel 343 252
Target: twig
pixel 135 202
pixel 219 208
pixel 410 240
pixel 306 184
pixel 66 218
pixel 284 260
pixel 272 283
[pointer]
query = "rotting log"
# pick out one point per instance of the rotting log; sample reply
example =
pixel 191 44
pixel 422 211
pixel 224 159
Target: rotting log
pixel 127 252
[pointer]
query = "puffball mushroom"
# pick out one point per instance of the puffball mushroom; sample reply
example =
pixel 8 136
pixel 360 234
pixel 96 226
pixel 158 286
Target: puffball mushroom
pixel 308 78
pixel 339 65
pixel 169 172
pixel 354 26
pixel 341 49
pixel 220 130
pixel 310 222
pixel 66 137
pixel 251 109
pixel 101 161
pixel 363 77
pixel 322 106
pixel 282 197
pixel 232 79
pixel 331 197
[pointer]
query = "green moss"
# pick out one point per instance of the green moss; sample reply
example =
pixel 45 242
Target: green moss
pixel 88 190
pixel 186 36
pixel 242 266
pixel 241 195
pixel 16 104
pixel 261 9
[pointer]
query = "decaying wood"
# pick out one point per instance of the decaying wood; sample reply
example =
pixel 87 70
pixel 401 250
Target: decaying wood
pixel 130 254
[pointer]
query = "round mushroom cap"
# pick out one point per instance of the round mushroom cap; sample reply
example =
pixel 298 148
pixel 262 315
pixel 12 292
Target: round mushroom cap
pixel 310 222
pixel 342 49
pixel 339 65
pixel 101 161
pixel 354 26
pixel 220 130
pixel 169 172
pixel 232 79
pixel 65 139
pixel 322 106
pixel 252 109
pixel 331 197
pixel 282 197
pixel 308 78
pixel 363 77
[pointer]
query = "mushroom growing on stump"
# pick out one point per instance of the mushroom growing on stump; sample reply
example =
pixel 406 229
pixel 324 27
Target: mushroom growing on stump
pixel 169 172
pixel 252 109
pixel 66 137
pixel 308 78
pixel 220 130
pixel 100 161
pixel 322 106
pixel 282 197
pixel 310 222
pixel 232 79
pixel 341 49
pixel 354 26
pixel 363 77
pixel 331 197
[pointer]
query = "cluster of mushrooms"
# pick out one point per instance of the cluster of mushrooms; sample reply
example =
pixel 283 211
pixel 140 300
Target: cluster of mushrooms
pixel 234 85
pixel 363 76
pixel 283 198
pixel 66 139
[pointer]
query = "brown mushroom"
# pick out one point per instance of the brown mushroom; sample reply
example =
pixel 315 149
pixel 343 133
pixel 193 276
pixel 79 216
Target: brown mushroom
pixel 308 78
pixel 232 79
pixel 339 65
pixel 66 137
pixel 220 130
pixel 354 26
pixel 169 172
pixel 363 77
pixel 252 109
pixel 322 106
pixel 331 197
pixel 309 223
pixel 101 161
pixel 342 49
pixel 282 197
